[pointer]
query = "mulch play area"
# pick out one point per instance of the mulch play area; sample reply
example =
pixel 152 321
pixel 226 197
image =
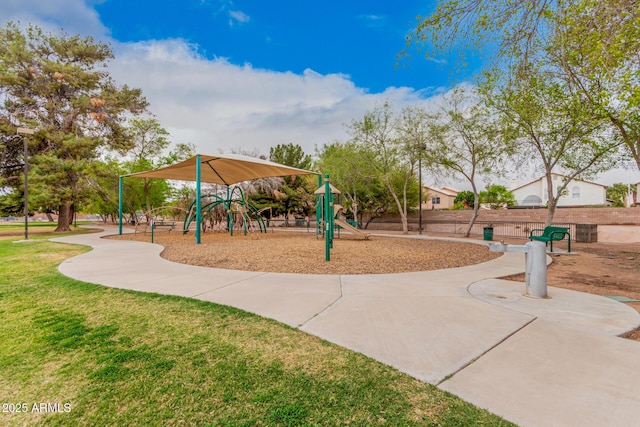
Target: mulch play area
pixel 302 252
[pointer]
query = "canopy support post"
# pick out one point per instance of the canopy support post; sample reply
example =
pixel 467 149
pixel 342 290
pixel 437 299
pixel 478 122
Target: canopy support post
pixel 327 220
pixel 319 208
pixel 198 204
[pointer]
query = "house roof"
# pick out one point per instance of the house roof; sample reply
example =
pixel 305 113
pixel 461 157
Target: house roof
pixel 557 174
pixel 451 190
pixel 444 190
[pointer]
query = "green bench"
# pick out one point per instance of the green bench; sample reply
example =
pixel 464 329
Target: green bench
pixel 164 224
pixel 551 233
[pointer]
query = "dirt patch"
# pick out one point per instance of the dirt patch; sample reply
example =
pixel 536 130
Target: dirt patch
pixel 606 269
pixel 303 253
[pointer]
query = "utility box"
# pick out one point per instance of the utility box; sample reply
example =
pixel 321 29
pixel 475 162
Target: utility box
pixel 586 233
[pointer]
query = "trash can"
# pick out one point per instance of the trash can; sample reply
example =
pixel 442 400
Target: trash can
pixel 488 233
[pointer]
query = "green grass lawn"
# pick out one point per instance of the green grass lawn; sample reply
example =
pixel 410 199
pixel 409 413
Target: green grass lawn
pixel 101 356
pixel 37 230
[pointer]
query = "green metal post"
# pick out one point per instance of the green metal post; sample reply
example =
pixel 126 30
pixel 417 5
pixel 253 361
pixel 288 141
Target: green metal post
pixel 327 232
pixel 319 208
pixel 330 219
pixel 120 205
pixel 244 223
pixel 229 214
pixel 153 226
pixel 198 207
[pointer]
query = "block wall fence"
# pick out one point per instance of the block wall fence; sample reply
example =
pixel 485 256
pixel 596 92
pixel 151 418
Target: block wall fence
pixel 599 216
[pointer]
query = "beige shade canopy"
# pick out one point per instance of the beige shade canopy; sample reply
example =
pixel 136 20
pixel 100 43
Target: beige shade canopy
pixel 225 169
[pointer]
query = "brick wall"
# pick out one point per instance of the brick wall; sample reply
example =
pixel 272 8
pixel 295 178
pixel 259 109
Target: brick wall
pixel 604 216
pixel 600 216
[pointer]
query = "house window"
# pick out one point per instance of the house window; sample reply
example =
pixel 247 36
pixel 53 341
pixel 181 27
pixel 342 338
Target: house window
pixel 575 192
pixel 532 200
pixel 435 200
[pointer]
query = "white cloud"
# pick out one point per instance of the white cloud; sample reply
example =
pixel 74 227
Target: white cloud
pixel 237 16
pixel 213 103
pixel 218 105
pixel 74 16
pixel 436 60
pixel 373 20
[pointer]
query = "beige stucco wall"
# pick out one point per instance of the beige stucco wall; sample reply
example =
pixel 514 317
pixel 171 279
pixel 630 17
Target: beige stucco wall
pixel 446 201
pixel 619 234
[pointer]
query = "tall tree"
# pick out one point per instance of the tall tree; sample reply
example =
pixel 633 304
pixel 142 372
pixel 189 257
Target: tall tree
pixel 11 170
pixel 413 128
pixel 290 155
pixel 58 85
pixel 618 192
pixel 597 52
pixel 543 120
pixel 149 151
pixel 295 195
pixel 497 197
pixel 511 30
pixel 593 45
pixel 350 169
pixel 393 155
pixel 465 142
pixel 103 181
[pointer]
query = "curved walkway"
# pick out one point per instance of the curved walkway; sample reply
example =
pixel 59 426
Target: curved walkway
pixel 535 362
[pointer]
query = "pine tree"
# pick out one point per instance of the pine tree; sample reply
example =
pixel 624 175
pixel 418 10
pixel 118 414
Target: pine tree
pixel 58 85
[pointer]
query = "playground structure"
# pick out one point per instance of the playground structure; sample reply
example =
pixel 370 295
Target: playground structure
pixel 216 213
pixel 225 169
pixel 233 169
pixel 157 218
pixel 327 212
pixel 345 225
pixel 235 209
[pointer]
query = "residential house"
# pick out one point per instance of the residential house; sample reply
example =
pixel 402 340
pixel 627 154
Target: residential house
pixel 577 193
pixel 438 198
pixel 633 198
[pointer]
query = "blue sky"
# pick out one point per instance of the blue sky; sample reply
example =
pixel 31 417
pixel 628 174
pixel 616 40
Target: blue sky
pixel 250 74
pixel 360 39
pixel 246 75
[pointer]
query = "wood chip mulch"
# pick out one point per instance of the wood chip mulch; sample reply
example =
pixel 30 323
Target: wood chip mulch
pixel 301 252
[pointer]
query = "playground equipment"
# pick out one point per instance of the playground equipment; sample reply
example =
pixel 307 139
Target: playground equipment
pixel 158 218
pixel 343 224
pixel 327 212
pixel 234 204
pixel 324 212
pixel 225 169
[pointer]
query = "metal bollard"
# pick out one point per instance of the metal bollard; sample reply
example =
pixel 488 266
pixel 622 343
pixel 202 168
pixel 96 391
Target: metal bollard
pixel 536 269
pixel 535 265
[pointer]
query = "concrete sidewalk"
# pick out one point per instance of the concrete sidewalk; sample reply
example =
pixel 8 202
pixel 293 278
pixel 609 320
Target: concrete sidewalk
pixel 535 362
